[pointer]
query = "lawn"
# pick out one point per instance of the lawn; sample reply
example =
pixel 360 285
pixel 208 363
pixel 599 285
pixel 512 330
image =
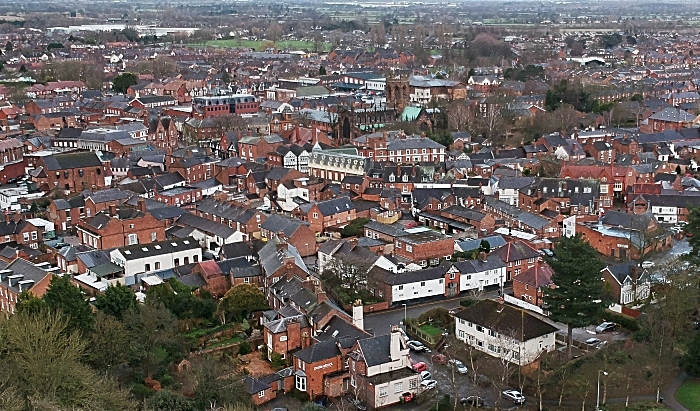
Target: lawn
pixel 431 329
pixel 257 45
pixel 689 394
pixel 230 341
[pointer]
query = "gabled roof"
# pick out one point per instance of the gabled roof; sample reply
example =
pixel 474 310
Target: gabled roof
pixel 516 250
pixel 324 350
pixel 540 275
pixel 71 160
pixel 506 320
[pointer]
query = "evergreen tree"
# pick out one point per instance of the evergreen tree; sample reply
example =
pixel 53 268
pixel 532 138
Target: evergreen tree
pixel 691 360
pixel 322 71
pixel 65 297
pixel 577 299
pixel 116 300
pixel 122 82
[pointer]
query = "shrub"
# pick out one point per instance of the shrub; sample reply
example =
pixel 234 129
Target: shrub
pixel 277 360
pixel 624 321
pixel 301 395
pixel 244 348
pixel 141 391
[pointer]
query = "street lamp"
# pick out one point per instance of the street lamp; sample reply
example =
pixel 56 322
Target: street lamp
pixel 404 317
pixel 597 398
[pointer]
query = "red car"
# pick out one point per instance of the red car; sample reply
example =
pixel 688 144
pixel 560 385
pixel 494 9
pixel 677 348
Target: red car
pixel 419 366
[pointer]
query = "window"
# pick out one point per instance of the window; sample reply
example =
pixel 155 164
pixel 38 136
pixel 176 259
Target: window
pixel 301 383
pixel 176 262
pixel 480 328
pixel 26 236
pixel 148 267
pixel 383 391
pixel 153 236
pixel 461 334
pixel 187 260
pixel 133 239
pixel 401 287
pixel 261 394
pixel 409 248
pixel 34 235
pixel 315 215
pixel 422 283
pixel 195 258
pixel 413 383
pixel 398 387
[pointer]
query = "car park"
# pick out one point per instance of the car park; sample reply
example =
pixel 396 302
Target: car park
pixel 428 385
pixel 416 345
pixel 516 396
pixel 419 367
pixel 472 401
pixel 605 327
pixel 426 375
pixel 459 366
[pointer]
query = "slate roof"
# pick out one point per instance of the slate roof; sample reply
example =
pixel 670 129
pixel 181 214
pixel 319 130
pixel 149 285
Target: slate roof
pixel 24 275
pixel 494 241
pixel 205 225
pixel 376 350
pixel 626 220
pixel 623 270
pixel 276 223
pixel 71 160
pixel 464 212
pixel 137 251
pixel 253 385
pixel 271 259
pixel 320 351
pixel 479 266
pixel 106 195
pixel 330 207
pixel 409 277
pixel 506 320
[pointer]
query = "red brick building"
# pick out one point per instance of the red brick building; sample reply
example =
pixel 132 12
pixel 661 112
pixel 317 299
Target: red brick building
pixel 529 286
pixel 518 258
pixel 424 247
pixel 119 227
pixel 330 213
pixel 17 277
pixel 71 172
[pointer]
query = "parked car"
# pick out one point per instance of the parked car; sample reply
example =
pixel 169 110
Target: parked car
pixel 264 208
pixel 416 345
pixel 647 264
pixel 547 252
pixel 516 396
pixel 605 327
pixel 595 343
pixel 419 367
pixel 459 366
pixel 439 358
pixel 428 384
pixel 472 401
pixel 357 403
pixel 426 375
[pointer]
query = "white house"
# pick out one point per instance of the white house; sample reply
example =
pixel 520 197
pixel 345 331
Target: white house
pixel 163 255
pixel 504 331
pixel 508 188
pixel 380 370
pixel 477 274
pixel 411 285
pixel 210 235
pixel 287 192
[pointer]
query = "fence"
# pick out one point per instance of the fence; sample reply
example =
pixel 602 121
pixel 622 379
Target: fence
pixel 522 304
pixel 431 340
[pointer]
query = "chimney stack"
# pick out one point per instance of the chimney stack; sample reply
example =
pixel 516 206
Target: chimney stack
pixel 113 210
pixel 358 318
pixel 395 348
pixel 142 204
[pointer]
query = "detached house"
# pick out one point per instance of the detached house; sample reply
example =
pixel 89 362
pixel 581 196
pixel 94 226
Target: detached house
pixel 71 172
pixel 628 282
pixel 505 332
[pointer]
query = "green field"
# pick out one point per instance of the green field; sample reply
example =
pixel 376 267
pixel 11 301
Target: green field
pixel 257 45
pixel 689 394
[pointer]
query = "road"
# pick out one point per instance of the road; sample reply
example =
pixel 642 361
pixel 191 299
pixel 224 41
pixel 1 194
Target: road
pixel 380 323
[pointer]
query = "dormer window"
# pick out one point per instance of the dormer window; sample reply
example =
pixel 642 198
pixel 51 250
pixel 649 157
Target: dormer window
pixel 392 178
pixel 405 178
